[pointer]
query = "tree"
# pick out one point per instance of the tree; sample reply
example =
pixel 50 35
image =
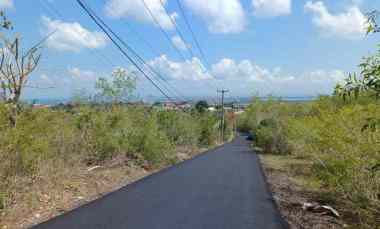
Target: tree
pixel 5 23
pixel 16 65
pixel 369 79
pixel 119 88
pixel 201 106
pixel 15 68
pixel 351 88
pixel 372 19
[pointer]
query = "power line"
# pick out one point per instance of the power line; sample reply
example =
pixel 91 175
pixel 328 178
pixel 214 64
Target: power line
pixel 194 38
pixel 49 7
pixel 153 51
pixel 189 49
pixel 125 54
pixel 170 88
pixel 139 36
pixel 162 30
pixel 177 29
pixel 203 56
pixel 192 32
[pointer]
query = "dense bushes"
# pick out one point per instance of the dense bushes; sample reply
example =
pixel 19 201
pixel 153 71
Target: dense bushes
pixel 267 121
pixel 345 152
pixel 93 134
pixel 339 137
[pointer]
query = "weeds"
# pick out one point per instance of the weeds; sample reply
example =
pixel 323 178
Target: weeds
pixel 336 136
pixel 94 134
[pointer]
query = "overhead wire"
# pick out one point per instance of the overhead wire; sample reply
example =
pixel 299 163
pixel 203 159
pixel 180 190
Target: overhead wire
pixel 166 35
pixel 51 9
pixel 188 48
pixel 125 54
pixel 139 36
pixel 153 51
pixel 203 56
pixel 170 88
pixel 177 29
pixel 195 39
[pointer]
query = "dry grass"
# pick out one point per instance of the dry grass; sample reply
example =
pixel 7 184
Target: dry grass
pixel 57 188
pixel 292 185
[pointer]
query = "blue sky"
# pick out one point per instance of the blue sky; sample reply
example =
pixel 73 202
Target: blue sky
pixel 277 47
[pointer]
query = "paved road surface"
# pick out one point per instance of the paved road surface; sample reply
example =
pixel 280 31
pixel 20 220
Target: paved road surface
pixel 222 189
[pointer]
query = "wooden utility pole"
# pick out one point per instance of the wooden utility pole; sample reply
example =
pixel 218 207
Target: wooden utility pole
pixel 234 110
pixel 223 91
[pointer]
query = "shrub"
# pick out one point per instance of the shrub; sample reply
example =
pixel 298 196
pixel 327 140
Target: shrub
pixel 341 138
pixel 208 130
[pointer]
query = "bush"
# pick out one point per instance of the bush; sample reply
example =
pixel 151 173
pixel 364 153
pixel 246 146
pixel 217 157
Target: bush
pixel 341 138
pixel 92 134
pixel 344 152
pixel 96 133
pixel 208 130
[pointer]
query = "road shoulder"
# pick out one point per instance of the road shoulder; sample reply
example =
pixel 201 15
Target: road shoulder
pixel 288 182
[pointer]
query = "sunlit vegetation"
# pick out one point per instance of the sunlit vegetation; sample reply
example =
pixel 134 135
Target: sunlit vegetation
pixel 340 138
pixel 338 134
pixel 94 134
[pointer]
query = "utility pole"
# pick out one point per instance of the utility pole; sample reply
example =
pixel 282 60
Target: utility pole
pixel 223 91
pixel 234 110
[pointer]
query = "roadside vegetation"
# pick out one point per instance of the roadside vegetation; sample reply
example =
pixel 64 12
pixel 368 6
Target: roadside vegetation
pixel 49 153
pixel 336 137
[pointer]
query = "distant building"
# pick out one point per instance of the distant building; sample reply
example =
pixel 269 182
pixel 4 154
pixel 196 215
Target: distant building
pixel 211 109
pixel 174 105
pixel 40 106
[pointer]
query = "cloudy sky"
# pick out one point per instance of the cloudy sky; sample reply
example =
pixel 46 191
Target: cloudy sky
pixel 261 47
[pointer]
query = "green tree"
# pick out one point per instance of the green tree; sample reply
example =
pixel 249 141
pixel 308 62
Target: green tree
pixel 4 22
pixel 119 88
pixel 369 79
pixel 372 19
pixel 201 106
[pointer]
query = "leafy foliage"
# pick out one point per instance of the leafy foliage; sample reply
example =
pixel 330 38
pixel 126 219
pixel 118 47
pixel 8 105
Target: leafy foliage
pixel 201 106
pixel 95 134
pixel 373 26
pixel 119 88
pixel 340 138
pixel 5 23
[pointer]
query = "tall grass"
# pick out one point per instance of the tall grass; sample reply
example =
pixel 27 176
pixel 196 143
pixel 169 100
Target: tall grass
pixel 336 135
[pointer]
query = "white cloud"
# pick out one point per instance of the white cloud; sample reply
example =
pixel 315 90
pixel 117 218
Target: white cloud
pixel 244 71
pixel 136 9
pixel 350 24
pixel 188 70
pixel 247 77
pixel 79 74
pixel 44 77
pixel 229 69
pixel 6 4
pixel 242 78
pixel 334 76
pixel 271 8
pixel 71 36
pixel 179 43
pixel 222 16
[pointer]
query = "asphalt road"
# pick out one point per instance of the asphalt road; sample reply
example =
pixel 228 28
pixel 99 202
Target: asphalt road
pixel 222 189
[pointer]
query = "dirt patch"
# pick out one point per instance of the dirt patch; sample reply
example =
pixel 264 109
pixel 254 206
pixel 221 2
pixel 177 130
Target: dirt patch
pixel 290 191
pixel 58 189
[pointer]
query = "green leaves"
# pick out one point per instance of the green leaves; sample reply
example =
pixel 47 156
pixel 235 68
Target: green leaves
pixel 368 81
pixel 373 26
pixel 119 88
